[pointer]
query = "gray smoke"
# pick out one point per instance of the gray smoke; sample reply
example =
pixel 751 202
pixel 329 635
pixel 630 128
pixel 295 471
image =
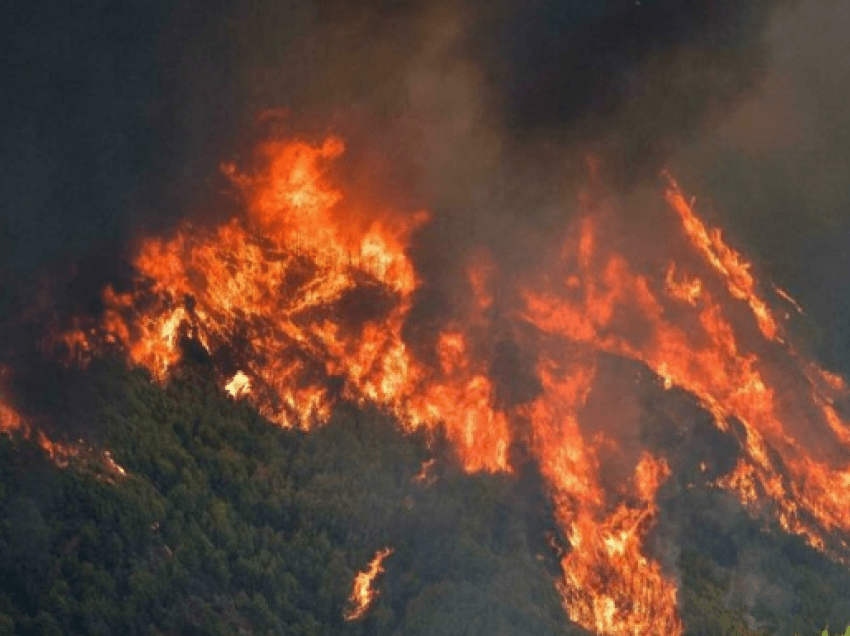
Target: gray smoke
pixel 775 168
pixel 117 116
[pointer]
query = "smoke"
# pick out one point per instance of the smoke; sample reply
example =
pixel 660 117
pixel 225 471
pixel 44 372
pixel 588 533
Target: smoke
pixel 488 114
pixel 775 168
pixel 118 114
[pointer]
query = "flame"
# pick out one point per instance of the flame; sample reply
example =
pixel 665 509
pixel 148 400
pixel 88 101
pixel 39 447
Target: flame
pixel 727 262
pixel 10 419
pixel 61 454
pixel 425 476
pixel 83 456
pixel 239 385
pixel 710 360
pixel 784 295
pixel 688 290
pixel 602 305
pixel 280 281
pixel 643 599
pixel 362 593
pixel 307 295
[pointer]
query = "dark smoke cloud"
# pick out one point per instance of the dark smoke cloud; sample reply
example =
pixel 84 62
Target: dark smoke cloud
pixel 635 76
pixel 78 84
pixel 117 115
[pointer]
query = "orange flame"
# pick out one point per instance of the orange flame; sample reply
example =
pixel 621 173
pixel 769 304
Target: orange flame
pixel 9 419
pixel 60 454
pixel 728 263
pixel 362 593
pixel 307 295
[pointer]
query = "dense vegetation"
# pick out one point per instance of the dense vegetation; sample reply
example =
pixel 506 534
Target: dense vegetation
pixel 227 525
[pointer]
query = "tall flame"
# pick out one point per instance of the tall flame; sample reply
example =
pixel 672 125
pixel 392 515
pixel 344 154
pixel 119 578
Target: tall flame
pixel 363 594
pixel 302 302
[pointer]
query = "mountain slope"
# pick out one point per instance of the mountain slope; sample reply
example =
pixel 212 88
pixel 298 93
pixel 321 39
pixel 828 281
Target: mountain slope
pixel 225 524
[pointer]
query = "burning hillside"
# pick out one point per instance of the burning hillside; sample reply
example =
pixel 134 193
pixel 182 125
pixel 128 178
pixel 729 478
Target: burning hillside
pixel 302 301
pixel 488 254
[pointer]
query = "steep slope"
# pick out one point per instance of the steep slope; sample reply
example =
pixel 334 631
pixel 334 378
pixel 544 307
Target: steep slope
pixel 225 524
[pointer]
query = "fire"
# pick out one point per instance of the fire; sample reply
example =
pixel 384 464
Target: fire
pixel 727 262
pixel 687 290
pixel 747 380
pixel 302 301
pixel 61 454
pixel 362 593
pixel 784 295
pixel 10 420
pixel 83 457
pixel 239 385
pixel 280 282
pixel 641 600
pixel 609 585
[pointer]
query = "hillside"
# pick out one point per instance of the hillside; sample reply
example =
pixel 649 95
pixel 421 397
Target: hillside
pixel 225 524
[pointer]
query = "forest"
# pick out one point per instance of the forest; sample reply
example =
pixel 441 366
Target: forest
pixel 203 518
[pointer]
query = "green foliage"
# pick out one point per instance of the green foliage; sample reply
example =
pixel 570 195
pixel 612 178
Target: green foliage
pixel 226 524
pixel 741 576
pixel 705 601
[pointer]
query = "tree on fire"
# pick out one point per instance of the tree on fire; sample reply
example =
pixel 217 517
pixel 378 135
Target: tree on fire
pixel 226 525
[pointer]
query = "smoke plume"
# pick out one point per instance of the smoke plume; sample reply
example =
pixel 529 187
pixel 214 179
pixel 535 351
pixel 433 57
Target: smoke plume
pixel 118 115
